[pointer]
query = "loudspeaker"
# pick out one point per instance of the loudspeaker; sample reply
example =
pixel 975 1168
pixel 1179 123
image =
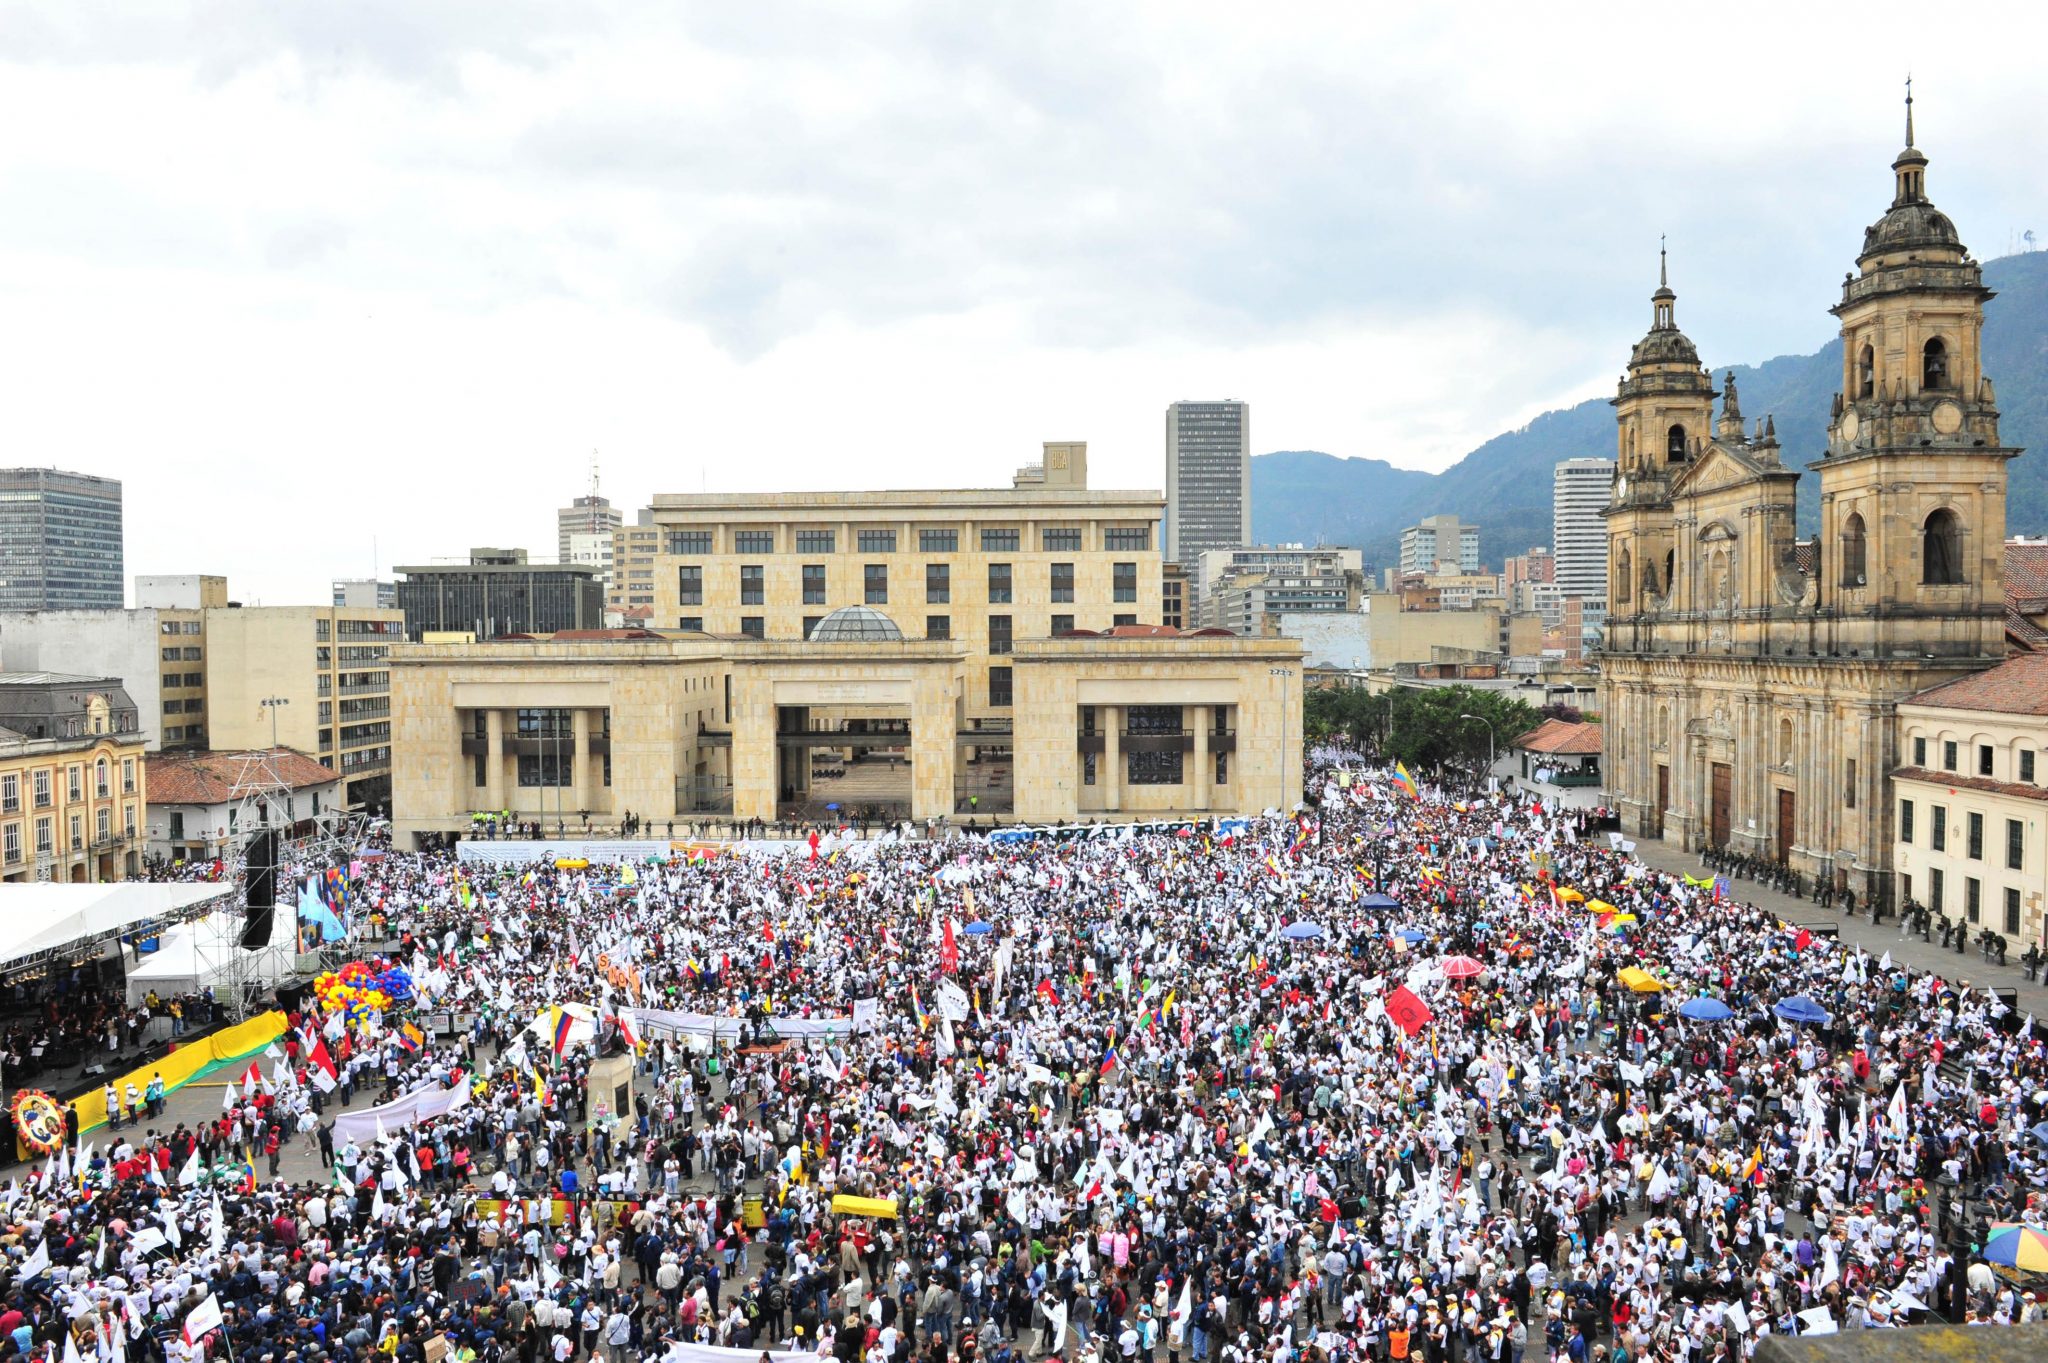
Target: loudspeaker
pixel 259 884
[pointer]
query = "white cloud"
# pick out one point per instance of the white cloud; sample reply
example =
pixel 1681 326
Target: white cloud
pixel 393 269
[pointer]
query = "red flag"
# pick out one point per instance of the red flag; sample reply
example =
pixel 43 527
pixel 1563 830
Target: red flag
pixel 949 950
pixel 320 1068
pixel 1802 941
pixel 1409 1013
pixel 814 844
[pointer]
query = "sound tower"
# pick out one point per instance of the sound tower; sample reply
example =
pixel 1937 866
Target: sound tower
pixel 260 886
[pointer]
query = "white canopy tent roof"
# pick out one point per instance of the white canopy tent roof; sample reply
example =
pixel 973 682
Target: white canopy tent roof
pixel 46 917
pixel 208 952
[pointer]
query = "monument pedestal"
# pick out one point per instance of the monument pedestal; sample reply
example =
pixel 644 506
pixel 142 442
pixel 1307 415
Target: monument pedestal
pixel 611 1093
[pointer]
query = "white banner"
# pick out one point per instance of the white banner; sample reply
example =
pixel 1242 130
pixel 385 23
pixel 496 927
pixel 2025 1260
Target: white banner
pixel 711 1353
pixel 953 1003
pixel 414 1108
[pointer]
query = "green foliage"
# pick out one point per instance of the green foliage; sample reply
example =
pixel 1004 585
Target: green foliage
pixel 1424 727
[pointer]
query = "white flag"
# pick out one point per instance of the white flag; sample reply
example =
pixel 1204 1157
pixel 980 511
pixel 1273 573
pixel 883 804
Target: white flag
pixel 1182 1310
pixel 203 1320
pixel 1895 1114
pixel 217 1239
pixel 189 1175
pixel 37 1263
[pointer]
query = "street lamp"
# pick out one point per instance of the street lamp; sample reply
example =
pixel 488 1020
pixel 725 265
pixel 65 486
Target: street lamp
pixel 273 704
pixel 1489 739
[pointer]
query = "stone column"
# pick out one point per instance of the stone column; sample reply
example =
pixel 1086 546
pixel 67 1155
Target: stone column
pixel 1112 758
pixel 934 751
pixel 494 759
pixel 1202 768
pixel 579 760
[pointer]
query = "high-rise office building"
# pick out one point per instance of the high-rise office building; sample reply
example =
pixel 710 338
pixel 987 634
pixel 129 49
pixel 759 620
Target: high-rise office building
pixel 588 515
pixel 1437 540
pixel 1578 497
pixel 365 591
pixel 499 592
pixel 60 541
pixel 1208 480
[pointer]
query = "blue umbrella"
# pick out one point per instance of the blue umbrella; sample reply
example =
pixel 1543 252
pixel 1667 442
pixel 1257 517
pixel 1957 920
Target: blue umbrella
pixel 1482 927
pixel 833 806
pixel 2040 1133
pixel 977 929
pixel 1298 931
pixel 1800 1008
pixel 1411 935
pixel 1380 901
pixel 1705 1010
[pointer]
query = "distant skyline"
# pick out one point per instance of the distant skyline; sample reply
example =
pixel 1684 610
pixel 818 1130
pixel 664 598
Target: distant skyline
pixel 305 277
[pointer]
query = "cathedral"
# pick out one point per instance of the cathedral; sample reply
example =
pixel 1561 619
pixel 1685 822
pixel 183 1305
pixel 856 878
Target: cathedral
pixel 1749 678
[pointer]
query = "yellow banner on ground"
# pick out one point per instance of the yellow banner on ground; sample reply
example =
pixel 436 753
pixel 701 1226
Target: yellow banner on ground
pixel 846 1204
pixel 181 1066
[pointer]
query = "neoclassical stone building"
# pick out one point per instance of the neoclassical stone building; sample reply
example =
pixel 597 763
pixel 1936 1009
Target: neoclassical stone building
pixel 1750 680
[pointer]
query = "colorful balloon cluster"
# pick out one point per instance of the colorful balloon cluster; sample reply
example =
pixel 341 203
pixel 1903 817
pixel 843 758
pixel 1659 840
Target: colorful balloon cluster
pixel 359 987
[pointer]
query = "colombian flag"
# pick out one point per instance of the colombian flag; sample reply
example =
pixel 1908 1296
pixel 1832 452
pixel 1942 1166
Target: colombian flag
pixel 562 1024
pixel 410 1037
pixel 1403 781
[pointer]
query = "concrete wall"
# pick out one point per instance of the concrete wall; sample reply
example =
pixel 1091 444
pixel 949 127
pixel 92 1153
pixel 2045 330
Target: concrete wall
pixel 1399 636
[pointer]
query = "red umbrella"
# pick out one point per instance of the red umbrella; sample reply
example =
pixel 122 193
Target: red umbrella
pixel 1463 968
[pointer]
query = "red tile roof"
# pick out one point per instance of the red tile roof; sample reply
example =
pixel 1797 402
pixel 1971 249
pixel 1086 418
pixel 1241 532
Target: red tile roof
pixel 2017 686
pixel 1562 739
pixel 2026 575
pixel 208 778
pixel 1953 781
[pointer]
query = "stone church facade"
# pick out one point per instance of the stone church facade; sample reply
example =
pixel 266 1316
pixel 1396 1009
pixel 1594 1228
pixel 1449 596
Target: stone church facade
pixel 1750 680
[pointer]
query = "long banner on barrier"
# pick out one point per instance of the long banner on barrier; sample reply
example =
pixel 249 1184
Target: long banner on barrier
pixel 415 1107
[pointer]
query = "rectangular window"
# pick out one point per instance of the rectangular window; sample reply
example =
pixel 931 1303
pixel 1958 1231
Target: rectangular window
pixel 1064 540
pixel 102 781
pixel 1937 883
pixel 1062 583
pixel 753 578
pixel 1087 768
pixel 814 584
pixel 998 634
pixel 1062 624
pixel 2012 912
pixel 476 775
pixel 1937 837
pixel 999 584
pixel 753 626
pixel 1117 620
pixel 11 839
pixel 999 687
pixel 1153 719
pixel 689 541
pixel 191 655
pixel 938 541
pixel 1948 756
pixel 1919 752
pixel 1973 898
pixel 45 837
pixel 1000 541
pixel 695 622
pixel 127 776
pixel 76 782
pixel 938 627
pixel 814 541
pixel 2015 844
pixel 1153 768
pixel 1849 785
pixel 875 583
pixel 1906 821
pixel 938 584
pixel 753 542
pixel 690 585
pixel 1223 769
pixel 170 655
pixel 811 622
pixel 42 779
pixel 544 769
pixel 103 825
pixel 1134 537
pixel 2027 765
pixel 1983 759
pixel 543 723
pixel 1976 837
pixel 1123 581
pixel 876 541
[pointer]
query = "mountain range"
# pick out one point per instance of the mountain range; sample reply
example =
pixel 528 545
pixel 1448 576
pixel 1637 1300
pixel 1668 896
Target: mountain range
pixel 1503 487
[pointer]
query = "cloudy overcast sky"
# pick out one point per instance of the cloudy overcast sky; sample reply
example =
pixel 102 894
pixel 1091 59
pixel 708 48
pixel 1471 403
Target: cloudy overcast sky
pixel 308 274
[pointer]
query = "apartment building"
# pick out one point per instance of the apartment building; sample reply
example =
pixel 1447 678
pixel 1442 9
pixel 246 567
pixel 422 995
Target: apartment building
pixel 72 785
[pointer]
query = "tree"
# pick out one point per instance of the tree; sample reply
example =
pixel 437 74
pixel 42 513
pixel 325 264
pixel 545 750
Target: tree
pixel 1429 728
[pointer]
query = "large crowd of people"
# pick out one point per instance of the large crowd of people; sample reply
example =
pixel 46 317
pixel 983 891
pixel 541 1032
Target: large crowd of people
pixel 1410 1075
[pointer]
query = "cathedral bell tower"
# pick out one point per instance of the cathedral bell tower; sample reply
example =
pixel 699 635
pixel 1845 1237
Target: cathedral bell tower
pixel 1663 411
pixel 1913 485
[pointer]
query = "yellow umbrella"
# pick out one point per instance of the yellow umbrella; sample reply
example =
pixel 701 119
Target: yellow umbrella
pixel 1571 896
pixel 1600 906
pixel 846 1204
pixel 1640 980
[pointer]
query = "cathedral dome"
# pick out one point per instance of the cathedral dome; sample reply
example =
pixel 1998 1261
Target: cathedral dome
pixel 1912 226
pixel 1665 345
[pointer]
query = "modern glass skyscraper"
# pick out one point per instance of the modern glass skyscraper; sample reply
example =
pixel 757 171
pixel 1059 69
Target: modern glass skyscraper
pixel 1578 495
pixel 1208 480
pixel 60 541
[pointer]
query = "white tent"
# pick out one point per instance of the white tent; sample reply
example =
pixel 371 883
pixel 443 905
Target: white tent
pixel 207 952
pixel 43 917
